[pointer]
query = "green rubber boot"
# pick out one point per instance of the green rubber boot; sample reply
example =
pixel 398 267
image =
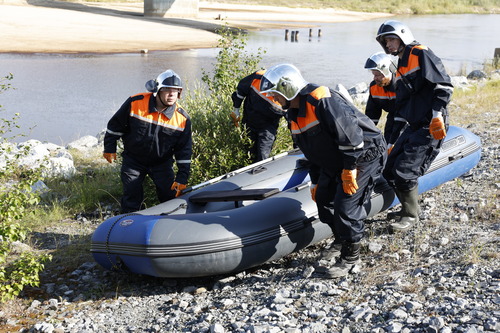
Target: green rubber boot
pixel 409 211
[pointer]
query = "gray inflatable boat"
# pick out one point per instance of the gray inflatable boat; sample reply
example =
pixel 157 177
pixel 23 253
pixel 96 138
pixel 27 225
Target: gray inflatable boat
pixel 247 217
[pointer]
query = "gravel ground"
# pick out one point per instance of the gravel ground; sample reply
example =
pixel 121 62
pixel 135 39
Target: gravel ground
pixel 442 276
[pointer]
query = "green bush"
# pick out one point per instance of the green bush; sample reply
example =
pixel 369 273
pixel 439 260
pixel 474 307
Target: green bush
pixel 218 146
pixel 16 199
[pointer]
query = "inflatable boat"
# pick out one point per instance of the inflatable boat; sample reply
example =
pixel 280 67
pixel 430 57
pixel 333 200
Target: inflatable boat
pixel 248 217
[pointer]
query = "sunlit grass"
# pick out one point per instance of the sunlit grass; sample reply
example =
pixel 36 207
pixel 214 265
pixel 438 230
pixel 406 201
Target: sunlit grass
pixel 394 6
pixel 479 104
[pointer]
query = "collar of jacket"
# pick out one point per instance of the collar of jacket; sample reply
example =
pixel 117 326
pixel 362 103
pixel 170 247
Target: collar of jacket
pixel 403 62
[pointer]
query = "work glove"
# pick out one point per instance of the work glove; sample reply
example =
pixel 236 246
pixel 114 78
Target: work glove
pixel 177 188
pixel 389 148
pixel 436 128
pixel 235 116
pixel 313 188
pixel 349 181
pixel 110 157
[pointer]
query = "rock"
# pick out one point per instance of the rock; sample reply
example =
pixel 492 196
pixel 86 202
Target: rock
pixel 476 75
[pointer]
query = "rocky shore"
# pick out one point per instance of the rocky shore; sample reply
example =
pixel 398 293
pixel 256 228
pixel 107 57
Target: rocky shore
pixel 442 276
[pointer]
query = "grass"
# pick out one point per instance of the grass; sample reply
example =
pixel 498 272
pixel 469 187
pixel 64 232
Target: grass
pixel 392 6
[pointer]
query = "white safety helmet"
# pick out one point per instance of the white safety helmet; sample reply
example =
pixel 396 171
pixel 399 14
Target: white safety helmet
pixel 396 28
pixel 167 79
pixel 381 62
pixel 284 79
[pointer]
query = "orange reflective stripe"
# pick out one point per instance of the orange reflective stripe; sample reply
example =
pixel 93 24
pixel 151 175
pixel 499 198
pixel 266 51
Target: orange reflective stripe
pixel 381 93
pixel 413 64
pixel 256 86
pixel 140 110
pixel 310 120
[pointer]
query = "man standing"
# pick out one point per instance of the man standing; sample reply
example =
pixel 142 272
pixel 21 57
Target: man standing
pixel 261 115
pixel 345 149
pixel 382 95
pixel 423 91
pixel 154 129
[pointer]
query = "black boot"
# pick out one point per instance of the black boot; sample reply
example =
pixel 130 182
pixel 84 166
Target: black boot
pixel 349 258
pixel 332 252
pixel 409 211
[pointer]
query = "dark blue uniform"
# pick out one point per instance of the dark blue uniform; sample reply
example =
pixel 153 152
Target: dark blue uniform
pixel 334 135
pixel 151 140
pixel 422 86
pixel 260 115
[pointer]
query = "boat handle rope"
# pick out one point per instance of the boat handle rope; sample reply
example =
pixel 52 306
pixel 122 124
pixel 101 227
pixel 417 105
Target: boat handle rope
pixel 114 266
pixel 181 206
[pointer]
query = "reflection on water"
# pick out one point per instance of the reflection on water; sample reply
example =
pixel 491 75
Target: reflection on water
pixel 64 97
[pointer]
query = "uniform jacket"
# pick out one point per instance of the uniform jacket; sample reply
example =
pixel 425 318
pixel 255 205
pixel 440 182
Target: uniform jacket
pixel 152 137
pixel 380 98
pixel 422 86
pixel 332 133
pixel 384 98
pixel 259 111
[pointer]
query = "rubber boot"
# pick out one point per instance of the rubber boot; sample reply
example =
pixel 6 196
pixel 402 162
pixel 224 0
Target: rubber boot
pixel 349 258
pixel 409 211
pixel 332 252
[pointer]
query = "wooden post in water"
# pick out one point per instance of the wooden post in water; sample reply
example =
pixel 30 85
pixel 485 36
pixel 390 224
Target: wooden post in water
pixel 286 34
pixel 293 36
pixel 296 35
pixel 319 32
pixel 310 32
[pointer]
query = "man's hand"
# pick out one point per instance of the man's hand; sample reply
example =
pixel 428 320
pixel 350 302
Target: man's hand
pixel 110 157
pixel 436 128
pixel 313 188
pixel 349 181
pixel 177 188
pixel 235 116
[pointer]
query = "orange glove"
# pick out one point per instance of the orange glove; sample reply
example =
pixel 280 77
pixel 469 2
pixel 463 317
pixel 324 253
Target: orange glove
pixel 389 148
pixel 436 128
pixel 313 189
pixel 110 157
pixel 235 116
pixel 349 181
pixel 177 188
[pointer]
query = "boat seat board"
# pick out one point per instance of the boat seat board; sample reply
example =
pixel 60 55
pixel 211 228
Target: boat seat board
pixel 233 195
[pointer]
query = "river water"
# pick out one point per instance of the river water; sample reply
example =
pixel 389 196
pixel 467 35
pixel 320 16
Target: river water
pixel 63 97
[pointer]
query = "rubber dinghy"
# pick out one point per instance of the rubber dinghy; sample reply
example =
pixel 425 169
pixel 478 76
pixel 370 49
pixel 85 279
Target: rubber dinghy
pixel 247 217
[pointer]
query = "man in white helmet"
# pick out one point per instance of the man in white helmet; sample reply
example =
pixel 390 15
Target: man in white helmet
pixel 423 91
pixel 346 152
pixel 261 115
pixel 155 130
pixel 382 95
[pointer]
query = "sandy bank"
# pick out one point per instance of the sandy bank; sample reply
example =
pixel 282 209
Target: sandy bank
pixel 49 26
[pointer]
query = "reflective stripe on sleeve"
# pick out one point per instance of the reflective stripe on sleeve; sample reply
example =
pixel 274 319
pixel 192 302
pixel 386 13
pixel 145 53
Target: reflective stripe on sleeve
pixel 114 133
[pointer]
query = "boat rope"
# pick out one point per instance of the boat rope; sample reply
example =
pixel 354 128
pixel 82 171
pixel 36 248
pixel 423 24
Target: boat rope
pixel 113 265
pixel 181 206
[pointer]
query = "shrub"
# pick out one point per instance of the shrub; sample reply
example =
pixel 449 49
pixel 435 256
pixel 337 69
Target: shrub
pixel 218 146
pixel 16 197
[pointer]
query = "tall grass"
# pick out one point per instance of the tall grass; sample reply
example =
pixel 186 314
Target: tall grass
pixel 386 6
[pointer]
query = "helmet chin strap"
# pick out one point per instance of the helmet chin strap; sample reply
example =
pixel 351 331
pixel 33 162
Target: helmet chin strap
pixel 400 49
pixel 287 105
